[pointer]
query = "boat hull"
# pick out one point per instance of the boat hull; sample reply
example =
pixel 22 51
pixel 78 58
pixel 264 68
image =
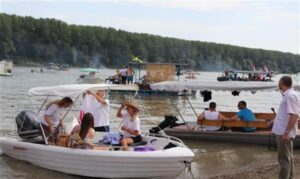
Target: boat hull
pixel 99 163
pixel 256 138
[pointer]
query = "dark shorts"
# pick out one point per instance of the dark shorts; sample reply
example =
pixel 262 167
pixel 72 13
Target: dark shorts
pixel 102 129
pixel 124 78
pixel 137 139
pixel 130 78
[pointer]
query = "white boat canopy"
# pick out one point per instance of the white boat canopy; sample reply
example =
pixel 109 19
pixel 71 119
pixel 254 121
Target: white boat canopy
pixel 74 90
pixel 214 85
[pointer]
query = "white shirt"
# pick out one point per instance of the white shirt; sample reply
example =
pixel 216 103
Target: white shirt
pixel 123 72
pixel 212 115
pixel 131 124
pixel 99 111
pixel 290 104
pixel 101 114
pixel 54 112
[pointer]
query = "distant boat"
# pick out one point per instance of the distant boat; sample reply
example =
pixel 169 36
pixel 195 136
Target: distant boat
pixel 6 67
pixel 240 75
pixel 57 67
pixel 89 77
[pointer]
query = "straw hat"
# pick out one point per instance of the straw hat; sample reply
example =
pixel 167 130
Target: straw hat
pixel 132 103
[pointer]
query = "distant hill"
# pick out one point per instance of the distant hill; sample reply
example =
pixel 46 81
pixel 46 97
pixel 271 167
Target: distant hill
pixel 26 39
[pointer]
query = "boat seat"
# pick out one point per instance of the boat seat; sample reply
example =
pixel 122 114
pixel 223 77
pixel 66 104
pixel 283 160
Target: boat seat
pixel 262 124
pixel 257 115
pixel 138 144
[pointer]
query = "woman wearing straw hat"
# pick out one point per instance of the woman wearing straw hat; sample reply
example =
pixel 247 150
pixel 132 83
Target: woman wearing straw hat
pixel 131 124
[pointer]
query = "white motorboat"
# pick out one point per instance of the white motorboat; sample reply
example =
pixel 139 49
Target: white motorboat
pixel 156 156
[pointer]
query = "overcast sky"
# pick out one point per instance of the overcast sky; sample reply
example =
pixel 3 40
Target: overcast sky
pixel 267 24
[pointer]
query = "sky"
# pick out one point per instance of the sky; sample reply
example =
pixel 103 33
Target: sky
pixel 266 24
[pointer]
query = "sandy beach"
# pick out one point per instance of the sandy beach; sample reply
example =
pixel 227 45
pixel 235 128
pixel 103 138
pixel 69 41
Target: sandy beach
pixel 260 170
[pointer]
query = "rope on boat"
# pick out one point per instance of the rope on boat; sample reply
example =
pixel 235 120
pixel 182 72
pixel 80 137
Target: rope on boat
pixel 188 165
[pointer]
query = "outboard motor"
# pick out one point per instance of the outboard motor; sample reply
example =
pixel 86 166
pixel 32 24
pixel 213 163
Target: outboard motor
pixel 170 121
pixel 27 124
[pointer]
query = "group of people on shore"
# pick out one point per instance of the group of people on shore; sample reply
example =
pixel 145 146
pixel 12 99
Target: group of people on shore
pixel 284 126
pixel 94 116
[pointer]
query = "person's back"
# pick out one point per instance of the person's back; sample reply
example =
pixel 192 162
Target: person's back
pixel 212 115
pixel 246 115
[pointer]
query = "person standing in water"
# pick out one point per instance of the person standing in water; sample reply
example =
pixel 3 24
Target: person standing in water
pixel 285 127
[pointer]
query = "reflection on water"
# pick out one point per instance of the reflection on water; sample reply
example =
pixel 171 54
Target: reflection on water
pixel 211 158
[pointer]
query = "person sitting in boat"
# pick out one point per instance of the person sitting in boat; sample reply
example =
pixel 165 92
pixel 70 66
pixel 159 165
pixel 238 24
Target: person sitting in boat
pixel 131 124
pixel 50 119
pixel 244 114
pixel 82 135
pixel 99 107
pixel 212 114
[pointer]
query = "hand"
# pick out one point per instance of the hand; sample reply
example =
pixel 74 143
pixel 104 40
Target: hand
pixel 285 137
pixel 124 128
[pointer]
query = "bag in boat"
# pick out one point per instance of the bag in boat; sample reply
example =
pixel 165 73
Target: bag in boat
pixel 112 138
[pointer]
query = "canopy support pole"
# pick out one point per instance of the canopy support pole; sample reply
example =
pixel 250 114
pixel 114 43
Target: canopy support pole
pixel 180 115
pixel 144 108
pixel 191 105
pixel 42 129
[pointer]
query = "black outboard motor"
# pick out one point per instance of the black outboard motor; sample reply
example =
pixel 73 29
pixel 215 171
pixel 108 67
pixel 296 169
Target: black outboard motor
pixel 170 121
pixel 27 124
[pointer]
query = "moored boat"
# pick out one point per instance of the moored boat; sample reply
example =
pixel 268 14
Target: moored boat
pixel 155 156
pixel 196 130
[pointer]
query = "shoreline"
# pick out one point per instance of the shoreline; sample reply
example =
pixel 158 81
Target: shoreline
pixel 259 170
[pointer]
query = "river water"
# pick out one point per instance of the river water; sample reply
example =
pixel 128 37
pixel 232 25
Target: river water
pixel 211 158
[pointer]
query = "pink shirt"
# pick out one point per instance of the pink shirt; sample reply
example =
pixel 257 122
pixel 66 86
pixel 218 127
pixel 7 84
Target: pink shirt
pixel 290 104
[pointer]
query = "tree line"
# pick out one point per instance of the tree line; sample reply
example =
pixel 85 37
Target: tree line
pixel 44 40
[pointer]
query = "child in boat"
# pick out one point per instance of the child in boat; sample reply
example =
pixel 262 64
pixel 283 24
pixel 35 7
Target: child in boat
pixel 50 119
pixel 244 114
pixel 131 124
pixel 82 135
pixel 212 114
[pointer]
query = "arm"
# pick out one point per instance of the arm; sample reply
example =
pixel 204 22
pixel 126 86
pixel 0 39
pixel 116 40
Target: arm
pixel 133 132
pixel 223 118
pixel 293 110
pixel 292 122
pixel 48 120
pixel 201 116
pixel 235 118
pixel 101 100
pixel 119 113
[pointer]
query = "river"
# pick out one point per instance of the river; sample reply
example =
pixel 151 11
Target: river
pixel 211 158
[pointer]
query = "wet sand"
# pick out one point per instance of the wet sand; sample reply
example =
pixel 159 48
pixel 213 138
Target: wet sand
pixel 260 170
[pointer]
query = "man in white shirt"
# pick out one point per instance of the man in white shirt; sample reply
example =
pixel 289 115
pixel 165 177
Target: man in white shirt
pixel 212 114
pixel 285 127
pixel 123 73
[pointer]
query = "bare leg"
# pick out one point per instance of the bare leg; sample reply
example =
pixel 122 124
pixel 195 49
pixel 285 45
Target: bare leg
pixel 125 143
